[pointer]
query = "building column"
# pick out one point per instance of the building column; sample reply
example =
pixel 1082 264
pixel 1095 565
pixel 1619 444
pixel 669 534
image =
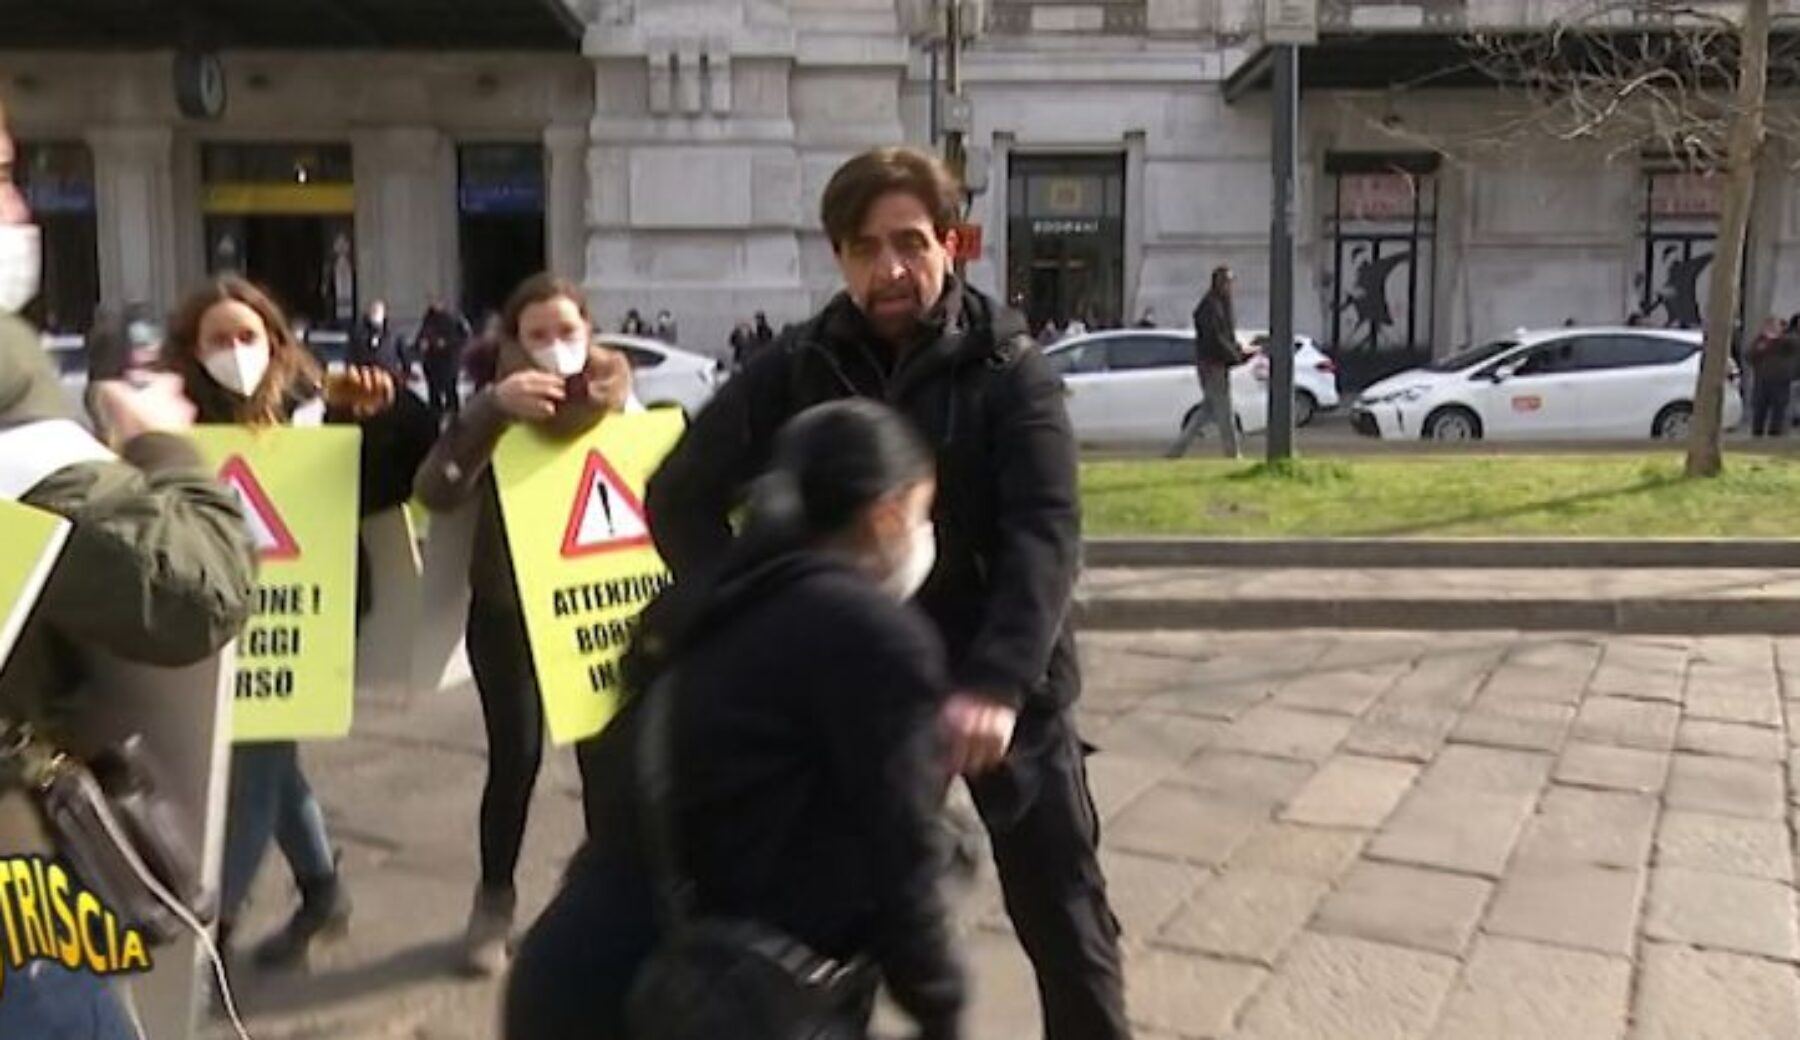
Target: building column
pixel 405 217
pixel 565 200
pixel 135 213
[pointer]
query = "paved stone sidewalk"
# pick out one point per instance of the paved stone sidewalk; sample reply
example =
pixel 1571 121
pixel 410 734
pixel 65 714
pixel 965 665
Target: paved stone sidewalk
pixel 1309 835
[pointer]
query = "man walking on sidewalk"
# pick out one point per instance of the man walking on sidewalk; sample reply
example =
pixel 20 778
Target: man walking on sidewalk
pixel 1216 353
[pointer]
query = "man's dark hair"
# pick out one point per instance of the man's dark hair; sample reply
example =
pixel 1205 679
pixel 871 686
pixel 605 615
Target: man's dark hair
pixel 882 171
pixel 1221 276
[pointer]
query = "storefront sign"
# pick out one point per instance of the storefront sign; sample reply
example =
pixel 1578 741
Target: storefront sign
pixel 582 556
pixel 296 658
pixel 1065 227
pixel 1685 194
pixel 1377 196
pixel 968 241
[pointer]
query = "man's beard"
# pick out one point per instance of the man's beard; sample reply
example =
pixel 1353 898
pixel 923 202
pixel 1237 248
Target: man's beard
pixel 890 320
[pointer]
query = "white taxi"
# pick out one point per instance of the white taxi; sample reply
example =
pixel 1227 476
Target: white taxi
pixel 1561 384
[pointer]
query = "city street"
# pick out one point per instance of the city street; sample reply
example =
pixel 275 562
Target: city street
pixel 1308 835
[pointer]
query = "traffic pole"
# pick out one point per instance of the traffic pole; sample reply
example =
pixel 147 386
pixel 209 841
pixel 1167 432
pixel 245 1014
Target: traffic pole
pixel 1281 253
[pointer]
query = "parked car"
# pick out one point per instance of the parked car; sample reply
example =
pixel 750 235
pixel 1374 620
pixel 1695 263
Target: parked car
pixel 1137 386
pixel 1315 373
pixel 668 376
pixel 1601 383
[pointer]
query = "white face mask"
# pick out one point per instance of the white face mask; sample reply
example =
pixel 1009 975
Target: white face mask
pixel 921 556
pixel 239 369
pixel 21 264
pixel 565 357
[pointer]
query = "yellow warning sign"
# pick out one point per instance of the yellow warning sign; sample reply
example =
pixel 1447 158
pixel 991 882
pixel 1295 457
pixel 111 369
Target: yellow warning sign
pixel 296 658
pixel 30 541
pixel 582 555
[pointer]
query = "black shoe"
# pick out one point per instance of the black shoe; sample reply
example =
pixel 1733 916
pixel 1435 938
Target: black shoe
pixel 324 912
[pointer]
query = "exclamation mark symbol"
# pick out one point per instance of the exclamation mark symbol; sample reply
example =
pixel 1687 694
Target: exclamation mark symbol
pixel 600 489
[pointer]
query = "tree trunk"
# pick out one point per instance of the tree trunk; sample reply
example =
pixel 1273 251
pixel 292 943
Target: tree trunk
pixel 1705 456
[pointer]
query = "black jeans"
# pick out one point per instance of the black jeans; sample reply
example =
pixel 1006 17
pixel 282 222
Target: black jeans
pixel 1769 407
pixel 440 382
pixel 1045 831
pixel 513 715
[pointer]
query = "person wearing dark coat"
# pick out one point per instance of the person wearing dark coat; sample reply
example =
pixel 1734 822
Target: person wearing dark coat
pixel 443 334
pixel 806 757
pixel 373 344
pixel 1008 521
pixel 1774 365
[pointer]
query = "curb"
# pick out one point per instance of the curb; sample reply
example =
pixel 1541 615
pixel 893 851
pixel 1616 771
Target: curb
pixel 1674 616
pixel 1545 553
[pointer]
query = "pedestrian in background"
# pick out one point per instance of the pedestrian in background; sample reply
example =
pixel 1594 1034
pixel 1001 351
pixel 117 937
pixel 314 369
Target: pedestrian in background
pixel 1216 353
pixel 634 324
pixel 665 328
pixel 443 334
pixel 1773 370
pixel 240 364
pixel 549 372
pixel 374 345
pixel 743 343
pixel 765 334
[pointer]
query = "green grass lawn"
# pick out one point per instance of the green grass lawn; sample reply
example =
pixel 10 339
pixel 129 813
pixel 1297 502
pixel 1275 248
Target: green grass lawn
pixel 1525 496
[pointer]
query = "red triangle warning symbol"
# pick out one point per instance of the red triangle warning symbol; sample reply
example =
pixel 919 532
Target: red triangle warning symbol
pixel 606 516
pixel 273 539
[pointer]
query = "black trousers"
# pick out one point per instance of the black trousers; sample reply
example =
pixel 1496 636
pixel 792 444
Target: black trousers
pixel 513 715
pixel 1045 832
pixel 440 382
pixel 1769 401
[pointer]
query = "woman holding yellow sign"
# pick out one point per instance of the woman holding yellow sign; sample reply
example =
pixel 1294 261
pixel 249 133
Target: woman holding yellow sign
pixel 241 364
pixel 548 371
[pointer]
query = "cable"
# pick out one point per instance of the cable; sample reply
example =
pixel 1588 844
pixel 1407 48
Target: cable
pixel 182 914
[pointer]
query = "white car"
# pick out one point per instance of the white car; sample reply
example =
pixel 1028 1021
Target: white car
pixel 1137 386
pixel 1315 373
pixel 665 376
pixel 1600 383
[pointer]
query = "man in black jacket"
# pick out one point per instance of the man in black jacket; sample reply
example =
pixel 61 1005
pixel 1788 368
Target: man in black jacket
pixel 1216 353
pixel 443 333
pixel 374 345
pixel 1008 525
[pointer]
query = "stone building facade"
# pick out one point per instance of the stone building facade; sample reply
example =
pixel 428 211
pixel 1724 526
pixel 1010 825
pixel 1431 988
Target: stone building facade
pixel 674 155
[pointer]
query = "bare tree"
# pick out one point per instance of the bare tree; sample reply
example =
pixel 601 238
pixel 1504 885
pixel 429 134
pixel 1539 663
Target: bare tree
pixel 1682 81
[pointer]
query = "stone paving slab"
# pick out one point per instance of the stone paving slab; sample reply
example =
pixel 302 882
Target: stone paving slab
pixel 1309 834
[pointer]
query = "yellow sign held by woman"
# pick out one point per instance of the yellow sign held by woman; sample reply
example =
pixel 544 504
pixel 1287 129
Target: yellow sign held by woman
pixel 581 553
pixel 30 542
pixel 298 487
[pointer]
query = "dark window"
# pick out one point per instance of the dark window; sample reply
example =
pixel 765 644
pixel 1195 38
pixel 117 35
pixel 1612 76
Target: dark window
pixel 639 357
pixel 1082 360
pixel 1141 352
pixel 1552 359
pixel 1605 353
pixel 1649 350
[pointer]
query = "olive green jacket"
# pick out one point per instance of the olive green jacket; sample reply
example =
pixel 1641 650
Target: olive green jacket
pixel 158 567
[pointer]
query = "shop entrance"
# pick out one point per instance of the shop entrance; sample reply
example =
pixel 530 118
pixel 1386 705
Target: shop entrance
pixel 500 226
pixel 282 216
pixel 1066 238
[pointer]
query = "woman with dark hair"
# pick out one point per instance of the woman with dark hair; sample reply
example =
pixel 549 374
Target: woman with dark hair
pixel 241 364
pixel 547 371
pixel 805 762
